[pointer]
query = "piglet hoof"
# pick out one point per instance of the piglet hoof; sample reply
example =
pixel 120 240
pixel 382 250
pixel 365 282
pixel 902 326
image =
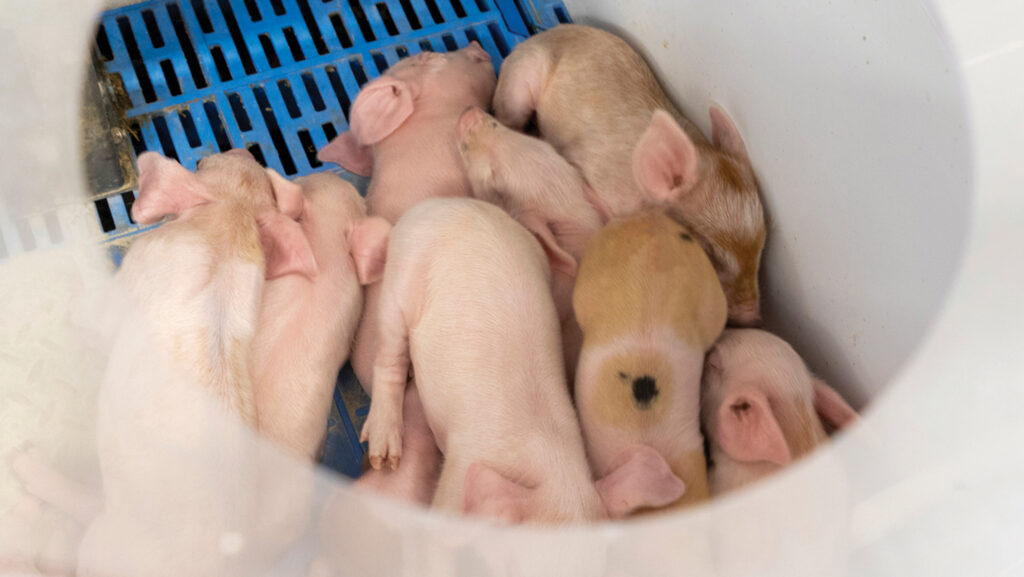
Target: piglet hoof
pixel 383 433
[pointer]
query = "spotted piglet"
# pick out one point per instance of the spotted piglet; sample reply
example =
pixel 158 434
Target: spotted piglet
pixel 762 409
pixel 650 306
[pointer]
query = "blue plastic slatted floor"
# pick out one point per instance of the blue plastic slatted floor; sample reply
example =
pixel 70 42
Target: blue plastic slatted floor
pixel 277 77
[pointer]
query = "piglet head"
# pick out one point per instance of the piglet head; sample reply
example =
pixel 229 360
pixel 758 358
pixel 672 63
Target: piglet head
pixel 759 399
pixel 730 194
pixel 638 478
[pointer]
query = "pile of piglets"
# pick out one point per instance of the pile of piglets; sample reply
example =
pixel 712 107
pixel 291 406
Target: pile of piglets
pixel 537 301
pixel 645 243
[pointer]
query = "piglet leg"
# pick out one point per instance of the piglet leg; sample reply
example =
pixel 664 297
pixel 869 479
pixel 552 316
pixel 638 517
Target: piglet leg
pixel 383 427
pixel 416 480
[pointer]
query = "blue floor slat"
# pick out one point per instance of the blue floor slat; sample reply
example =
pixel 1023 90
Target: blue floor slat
pixel 203 76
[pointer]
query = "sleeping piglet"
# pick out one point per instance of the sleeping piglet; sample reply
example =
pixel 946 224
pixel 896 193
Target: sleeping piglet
pixel 307 323
pixel 650 306
pixel 177 470
pixel 598 103
pixel 402 131
pixel 761 408
pixel 540 189
pixel 235 223
pixel 466 299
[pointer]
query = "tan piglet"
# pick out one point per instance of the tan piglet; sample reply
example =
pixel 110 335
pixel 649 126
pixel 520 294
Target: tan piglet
pixel 650 306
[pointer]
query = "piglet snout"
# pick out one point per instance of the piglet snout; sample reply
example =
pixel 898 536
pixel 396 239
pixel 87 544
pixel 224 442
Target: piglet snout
pixel 745 315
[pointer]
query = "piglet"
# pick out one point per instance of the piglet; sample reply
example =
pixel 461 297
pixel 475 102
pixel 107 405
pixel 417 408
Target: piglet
pixel 761 408
pixel 598 103
pixel 540 189
pixel 650 306
pixel 174 453
pixel 307 323
pixel 402 132
pixel 466 298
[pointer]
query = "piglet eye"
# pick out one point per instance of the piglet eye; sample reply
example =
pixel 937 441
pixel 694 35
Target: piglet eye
pixel 741 407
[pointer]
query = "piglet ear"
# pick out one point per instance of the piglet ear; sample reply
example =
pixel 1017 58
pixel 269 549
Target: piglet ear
pixel 638 477
pixel 165 188
pixel 665 162
pixel 831 408
pixel 488 493
pixel 346 152
pixel 724 134
pixel 285 246
pixel 368 243
pixel 287 194
pixel 380 108
pixel 748 431
pixel 559 259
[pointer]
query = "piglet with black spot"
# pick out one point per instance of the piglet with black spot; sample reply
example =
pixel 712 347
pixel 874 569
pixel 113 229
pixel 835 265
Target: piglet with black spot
pixel 650 306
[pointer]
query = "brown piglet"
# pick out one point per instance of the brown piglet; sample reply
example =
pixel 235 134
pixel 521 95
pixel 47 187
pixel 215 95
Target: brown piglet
pixel 650 306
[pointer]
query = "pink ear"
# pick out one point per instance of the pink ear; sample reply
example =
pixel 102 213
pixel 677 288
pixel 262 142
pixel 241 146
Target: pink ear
pixel 380 108
pixel 724 134
pixel 346 152
pixel 831 407
pixel 747 429
pixel 165 188
pixel 490 494
pixel 638 477
pixel 559 259
pixel 285 246
pixel 368 243
pixel 665 160
pixel 287 194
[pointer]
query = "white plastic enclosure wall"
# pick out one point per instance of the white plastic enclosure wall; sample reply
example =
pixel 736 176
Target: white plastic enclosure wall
pixel 887 138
